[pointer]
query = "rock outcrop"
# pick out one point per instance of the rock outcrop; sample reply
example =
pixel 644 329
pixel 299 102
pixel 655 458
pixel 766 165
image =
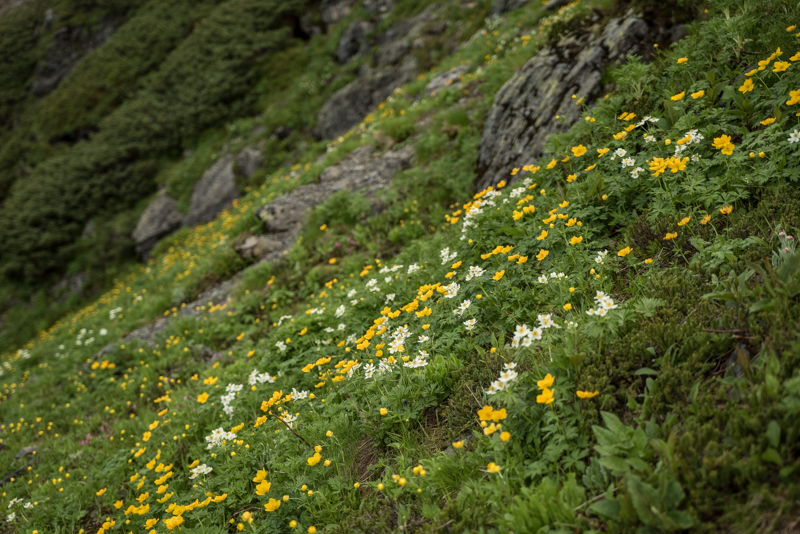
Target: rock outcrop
pixel 524 110
pixel 353 40
pixel 215 191
pixel 335 10
pixel 445 80
pixel 358 172
pixel 159 219
pixel 503 6
pixel 69 45
pixel 249 160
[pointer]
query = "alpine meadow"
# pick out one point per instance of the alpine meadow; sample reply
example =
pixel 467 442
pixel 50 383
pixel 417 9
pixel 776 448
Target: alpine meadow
pixel 454 266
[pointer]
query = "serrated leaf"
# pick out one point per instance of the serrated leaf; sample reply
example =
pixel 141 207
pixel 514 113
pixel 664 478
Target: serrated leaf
pixel 607 508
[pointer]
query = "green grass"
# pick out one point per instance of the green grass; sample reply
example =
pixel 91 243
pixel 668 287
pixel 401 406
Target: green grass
pixel 694 359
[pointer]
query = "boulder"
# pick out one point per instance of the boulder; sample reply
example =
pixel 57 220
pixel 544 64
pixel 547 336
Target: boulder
pixel 353 41
pixel 378 7
pixel 69 45
pixel 504 6
pixel 215 191
pixel 350 104
pixel 357 172
pixel 333 11
pixel 445 79
pixel 256 247
pixel 159 219
pixel 523 113
pixel 249 161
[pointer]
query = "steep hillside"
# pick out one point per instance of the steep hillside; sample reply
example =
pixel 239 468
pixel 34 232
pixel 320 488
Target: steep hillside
pixel 542 279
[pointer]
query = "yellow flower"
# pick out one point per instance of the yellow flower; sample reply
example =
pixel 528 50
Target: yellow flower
pixel 329 433
pixel 781 66
pixel 579 150
pixel 546 397
pixel 384 411
pixel 568 306
pixel 173 522
pixel 726 210
pixel 723 143
pixel 542 254
pixel 590 167
pixel 499 415
pixel 101 492
pixel 679 96
pixel 602 152
pixel 698 94
pixel 543 235
pixel 485 413
pixel 572 177
pixel 312 461
pixel 791 28
pixel 576 239
pixel 620 136
pixel 624 252
pixel 118 505
pixel 546 382
pixel 683 221
pixel 767 122
pixel 505 436
pixel 671 235
pixel 746 86
pixel 522 259
pixel 263 486
pixel 458 444
pixel 683 60
pixel 312 529
pixel 272 505
pixel 705 219
pixel 551 164
pixel 498 275
pixel 587 394
pixel 202 398
pixel 402 482
pixel 493 467
pixel 648 261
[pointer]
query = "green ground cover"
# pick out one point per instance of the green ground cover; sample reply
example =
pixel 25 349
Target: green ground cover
pixel 608 343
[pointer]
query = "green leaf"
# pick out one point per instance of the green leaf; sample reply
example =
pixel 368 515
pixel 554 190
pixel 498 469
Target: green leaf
pixel 607 508
pixel 763 304
pixel 646 371
pixel 511 231
pixel 774 433
pixel 772 456
pixel 614 463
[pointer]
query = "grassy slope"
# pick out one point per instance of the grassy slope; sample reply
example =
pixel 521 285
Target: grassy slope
pixel 692 442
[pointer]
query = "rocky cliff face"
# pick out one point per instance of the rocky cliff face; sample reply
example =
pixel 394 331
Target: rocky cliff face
pixel 525 109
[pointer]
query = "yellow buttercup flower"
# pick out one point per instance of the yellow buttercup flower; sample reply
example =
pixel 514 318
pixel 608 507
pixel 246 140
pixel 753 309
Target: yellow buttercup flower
pixel 682 60
pixel 698 94
pixel 568 306
pixel 493 467
pixel 705 219
pixel 546 382
pixel 272 505
pixel 683 221
pixel 383 411
pixel 575 240
pixel 670 235
pixel 579 150
pixel 551 164
pixel 746 86
pixel 587 394
pixel 602 152
pixel 458 444
pixel 202 398
pixel 498 275
pixel 505 436
pixel 546 397
pixel 679 96
pixel 781 66
pixel 624 252
pixel 767 122
pixel 726 210
pixel 542 254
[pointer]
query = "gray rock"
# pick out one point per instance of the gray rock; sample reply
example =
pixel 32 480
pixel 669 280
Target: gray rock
pixel 350 104
pixel 159 219
pixel 523 113
pixel 73 284
pixel 356 172
pixel 504 6
pixel 256 247
pixel 393 52
pixel 335 10
pixel 249 160
pixel 50 17
pixel 25 451
pixel 379 7
pixel 69 45
pixel 90 230
pixel 445 80
pixel 213 193
pixel 353 41
pixel 555 4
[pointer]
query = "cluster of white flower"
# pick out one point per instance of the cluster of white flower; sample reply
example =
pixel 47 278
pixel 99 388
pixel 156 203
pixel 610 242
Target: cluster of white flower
pixel 413 268
pixel 649 139
pixel 519 191
pixel 230 394
pixel 315 311
pixel 113 313
pixel 451 290
pixel 11 517
pixel 83 332
pixel 392 269
pixel 446 256
pixel 604 305
pixel 399 337
pixel 628 162
pixel 524 336
pixel 283 318
pixel 281 346
pixel 636 172
pixel 474 272
pixel 418 361
pixel 619 153
pixel 601 256
pixel 646 119
pixel 506 377
pixel 201 469
pixel 462 307
pixel 546 321
pixel 543 278
pixel 299 395
pixel 259 378
pixel 372 285
pixel 389 298
pixel 218 437
pixel 794 137
pixel 14 502
pixel 24 354
pixel 470 324
pixel 340 311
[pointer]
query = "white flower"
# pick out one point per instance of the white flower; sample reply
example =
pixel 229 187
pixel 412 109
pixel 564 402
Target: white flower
pixel 543 279
pixel 329 330
pixel 462 307
pixel 510 366
pixel 103 331
pixel 628 162
pixel 474 272
pixel 281 346
pixel 413 268
pixel 422 339
pixel 620 152
pixel 635 172
pixel 390 297
pixel 201 469
pixel 695 158
pixel 416 362
pixel 601 256
pixel 354 302
pixel 496 387
pixel 794 137
pixel 508 376
pixel 649 139
pixel 369 370
pixel 446 256
pixel 298 395
pixel 340 311
pixel 545 321
pixel 451 290
pixel 10 517
pixel 470 324
pixel 341 326
pixel 352 293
